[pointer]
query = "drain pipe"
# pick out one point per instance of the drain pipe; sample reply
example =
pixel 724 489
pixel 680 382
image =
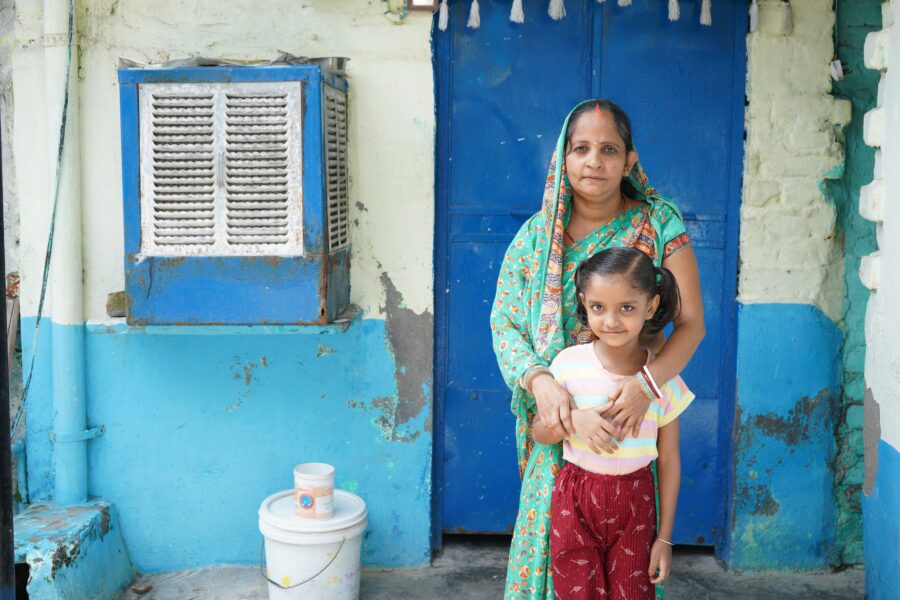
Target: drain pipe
pixel 66 286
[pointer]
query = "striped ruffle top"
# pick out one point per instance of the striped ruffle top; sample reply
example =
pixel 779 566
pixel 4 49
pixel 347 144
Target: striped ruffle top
pixel 580 372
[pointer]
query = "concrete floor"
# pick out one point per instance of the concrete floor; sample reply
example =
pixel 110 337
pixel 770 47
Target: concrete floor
pixel 475 569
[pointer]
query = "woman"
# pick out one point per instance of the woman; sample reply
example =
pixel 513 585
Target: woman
pixel 596 196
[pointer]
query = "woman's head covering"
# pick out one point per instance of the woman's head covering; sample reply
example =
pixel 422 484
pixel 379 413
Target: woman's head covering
pixel 553 221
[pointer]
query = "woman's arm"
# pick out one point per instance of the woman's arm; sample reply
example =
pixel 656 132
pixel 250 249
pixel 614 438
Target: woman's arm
pixel 689 324
pixel 554 403
pixel 629 402
pixel 543 434
pixel 512 341
pixel 668 471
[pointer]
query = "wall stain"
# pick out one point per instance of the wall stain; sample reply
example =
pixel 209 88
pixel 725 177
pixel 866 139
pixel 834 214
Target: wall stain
pixel 794 428
pixel 755 508
pixel 246 372
pixel 386 421
pixel 324 351
pixel 760 500
pixel 410 335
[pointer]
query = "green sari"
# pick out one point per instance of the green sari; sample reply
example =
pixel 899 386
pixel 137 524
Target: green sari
pixel 533 318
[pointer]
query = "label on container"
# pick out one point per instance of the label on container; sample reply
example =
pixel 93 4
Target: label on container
pixel 314 502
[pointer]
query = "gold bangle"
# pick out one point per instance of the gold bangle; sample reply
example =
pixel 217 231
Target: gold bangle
pixel 530 374
pixel 664 542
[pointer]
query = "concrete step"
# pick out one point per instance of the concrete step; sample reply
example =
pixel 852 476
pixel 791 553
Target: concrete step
pixel 72 551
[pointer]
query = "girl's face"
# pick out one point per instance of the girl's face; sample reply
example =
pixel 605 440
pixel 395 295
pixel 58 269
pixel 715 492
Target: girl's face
pixel 616 310
pixel 596 157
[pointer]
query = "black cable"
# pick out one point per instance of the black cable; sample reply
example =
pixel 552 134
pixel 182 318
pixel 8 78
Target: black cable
pixel 59 153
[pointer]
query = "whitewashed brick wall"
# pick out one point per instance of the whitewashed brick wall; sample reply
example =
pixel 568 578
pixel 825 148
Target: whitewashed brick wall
pixel 788 249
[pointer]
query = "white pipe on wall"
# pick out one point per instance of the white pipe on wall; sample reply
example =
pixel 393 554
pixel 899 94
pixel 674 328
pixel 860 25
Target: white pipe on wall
pixel 66 283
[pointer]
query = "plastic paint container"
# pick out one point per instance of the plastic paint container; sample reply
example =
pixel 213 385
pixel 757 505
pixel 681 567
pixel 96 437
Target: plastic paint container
pixel 312 559
pixel 314 490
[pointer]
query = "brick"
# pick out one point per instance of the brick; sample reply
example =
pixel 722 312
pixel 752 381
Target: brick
pixel 870 269
pixel 873 127
pixel 876 49
pixel 871 201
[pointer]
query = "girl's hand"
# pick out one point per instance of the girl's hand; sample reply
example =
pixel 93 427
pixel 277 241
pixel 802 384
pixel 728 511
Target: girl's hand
pixel 627 407
pixel 660 562
pixel 597 431
pixel 554 404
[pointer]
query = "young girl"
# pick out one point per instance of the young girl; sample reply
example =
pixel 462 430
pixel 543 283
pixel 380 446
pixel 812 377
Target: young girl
pixel 603 537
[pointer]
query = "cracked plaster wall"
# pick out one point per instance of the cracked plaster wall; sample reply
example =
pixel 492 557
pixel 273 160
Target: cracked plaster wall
pixel 783 514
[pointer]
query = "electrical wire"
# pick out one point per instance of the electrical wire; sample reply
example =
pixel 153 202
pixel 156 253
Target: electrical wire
pixel 46 277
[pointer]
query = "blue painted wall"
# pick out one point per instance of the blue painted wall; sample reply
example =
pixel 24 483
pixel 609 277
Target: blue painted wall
pixel 203 423
pixel 783 510
pixel 881 527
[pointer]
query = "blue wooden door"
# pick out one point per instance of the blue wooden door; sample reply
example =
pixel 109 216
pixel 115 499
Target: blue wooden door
pixel 503 91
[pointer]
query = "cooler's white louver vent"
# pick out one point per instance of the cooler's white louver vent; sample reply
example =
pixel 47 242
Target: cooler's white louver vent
pixel 221 169
pixel 336 179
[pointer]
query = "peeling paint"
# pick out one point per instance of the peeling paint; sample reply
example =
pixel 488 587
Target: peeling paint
pixel 871 436
pixel 410 336
pixel 245 371
pixel 386 422
pixel 762 502
pixel 794 428
pixel 70 551
pixel 784 512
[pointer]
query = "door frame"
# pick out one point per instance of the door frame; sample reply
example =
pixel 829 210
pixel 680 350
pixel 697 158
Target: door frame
pixel 443 94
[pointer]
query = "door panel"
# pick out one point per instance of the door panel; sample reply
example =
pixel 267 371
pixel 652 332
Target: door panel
pixel 503 92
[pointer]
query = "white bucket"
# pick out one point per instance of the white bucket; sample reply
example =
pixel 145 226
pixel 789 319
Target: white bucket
pixel 314 490
pixel 312 559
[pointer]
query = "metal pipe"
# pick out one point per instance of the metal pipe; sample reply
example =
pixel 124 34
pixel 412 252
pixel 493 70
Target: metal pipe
pixel 18 450
pixel 7 558
pixel 66 286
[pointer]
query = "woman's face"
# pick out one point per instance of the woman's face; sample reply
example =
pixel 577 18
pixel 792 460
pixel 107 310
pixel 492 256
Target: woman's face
pixel 596 157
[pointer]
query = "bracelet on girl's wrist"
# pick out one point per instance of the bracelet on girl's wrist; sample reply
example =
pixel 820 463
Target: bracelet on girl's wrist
pixel 664 542
pixel 648 379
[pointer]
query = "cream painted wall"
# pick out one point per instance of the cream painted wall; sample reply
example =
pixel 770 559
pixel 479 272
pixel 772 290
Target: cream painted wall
pixel 391 130
pixel 10 201
pixel 880 202
pixel 788 249
pixel 29 141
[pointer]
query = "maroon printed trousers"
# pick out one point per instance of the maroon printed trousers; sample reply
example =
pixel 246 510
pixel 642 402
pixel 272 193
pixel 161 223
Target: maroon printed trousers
pixel 601 530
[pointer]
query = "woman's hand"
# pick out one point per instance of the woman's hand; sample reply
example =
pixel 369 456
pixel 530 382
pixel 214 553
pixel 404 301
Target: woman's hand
pixel 627 407
pixel 596 430
pixel 660 562
pixel 554 404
